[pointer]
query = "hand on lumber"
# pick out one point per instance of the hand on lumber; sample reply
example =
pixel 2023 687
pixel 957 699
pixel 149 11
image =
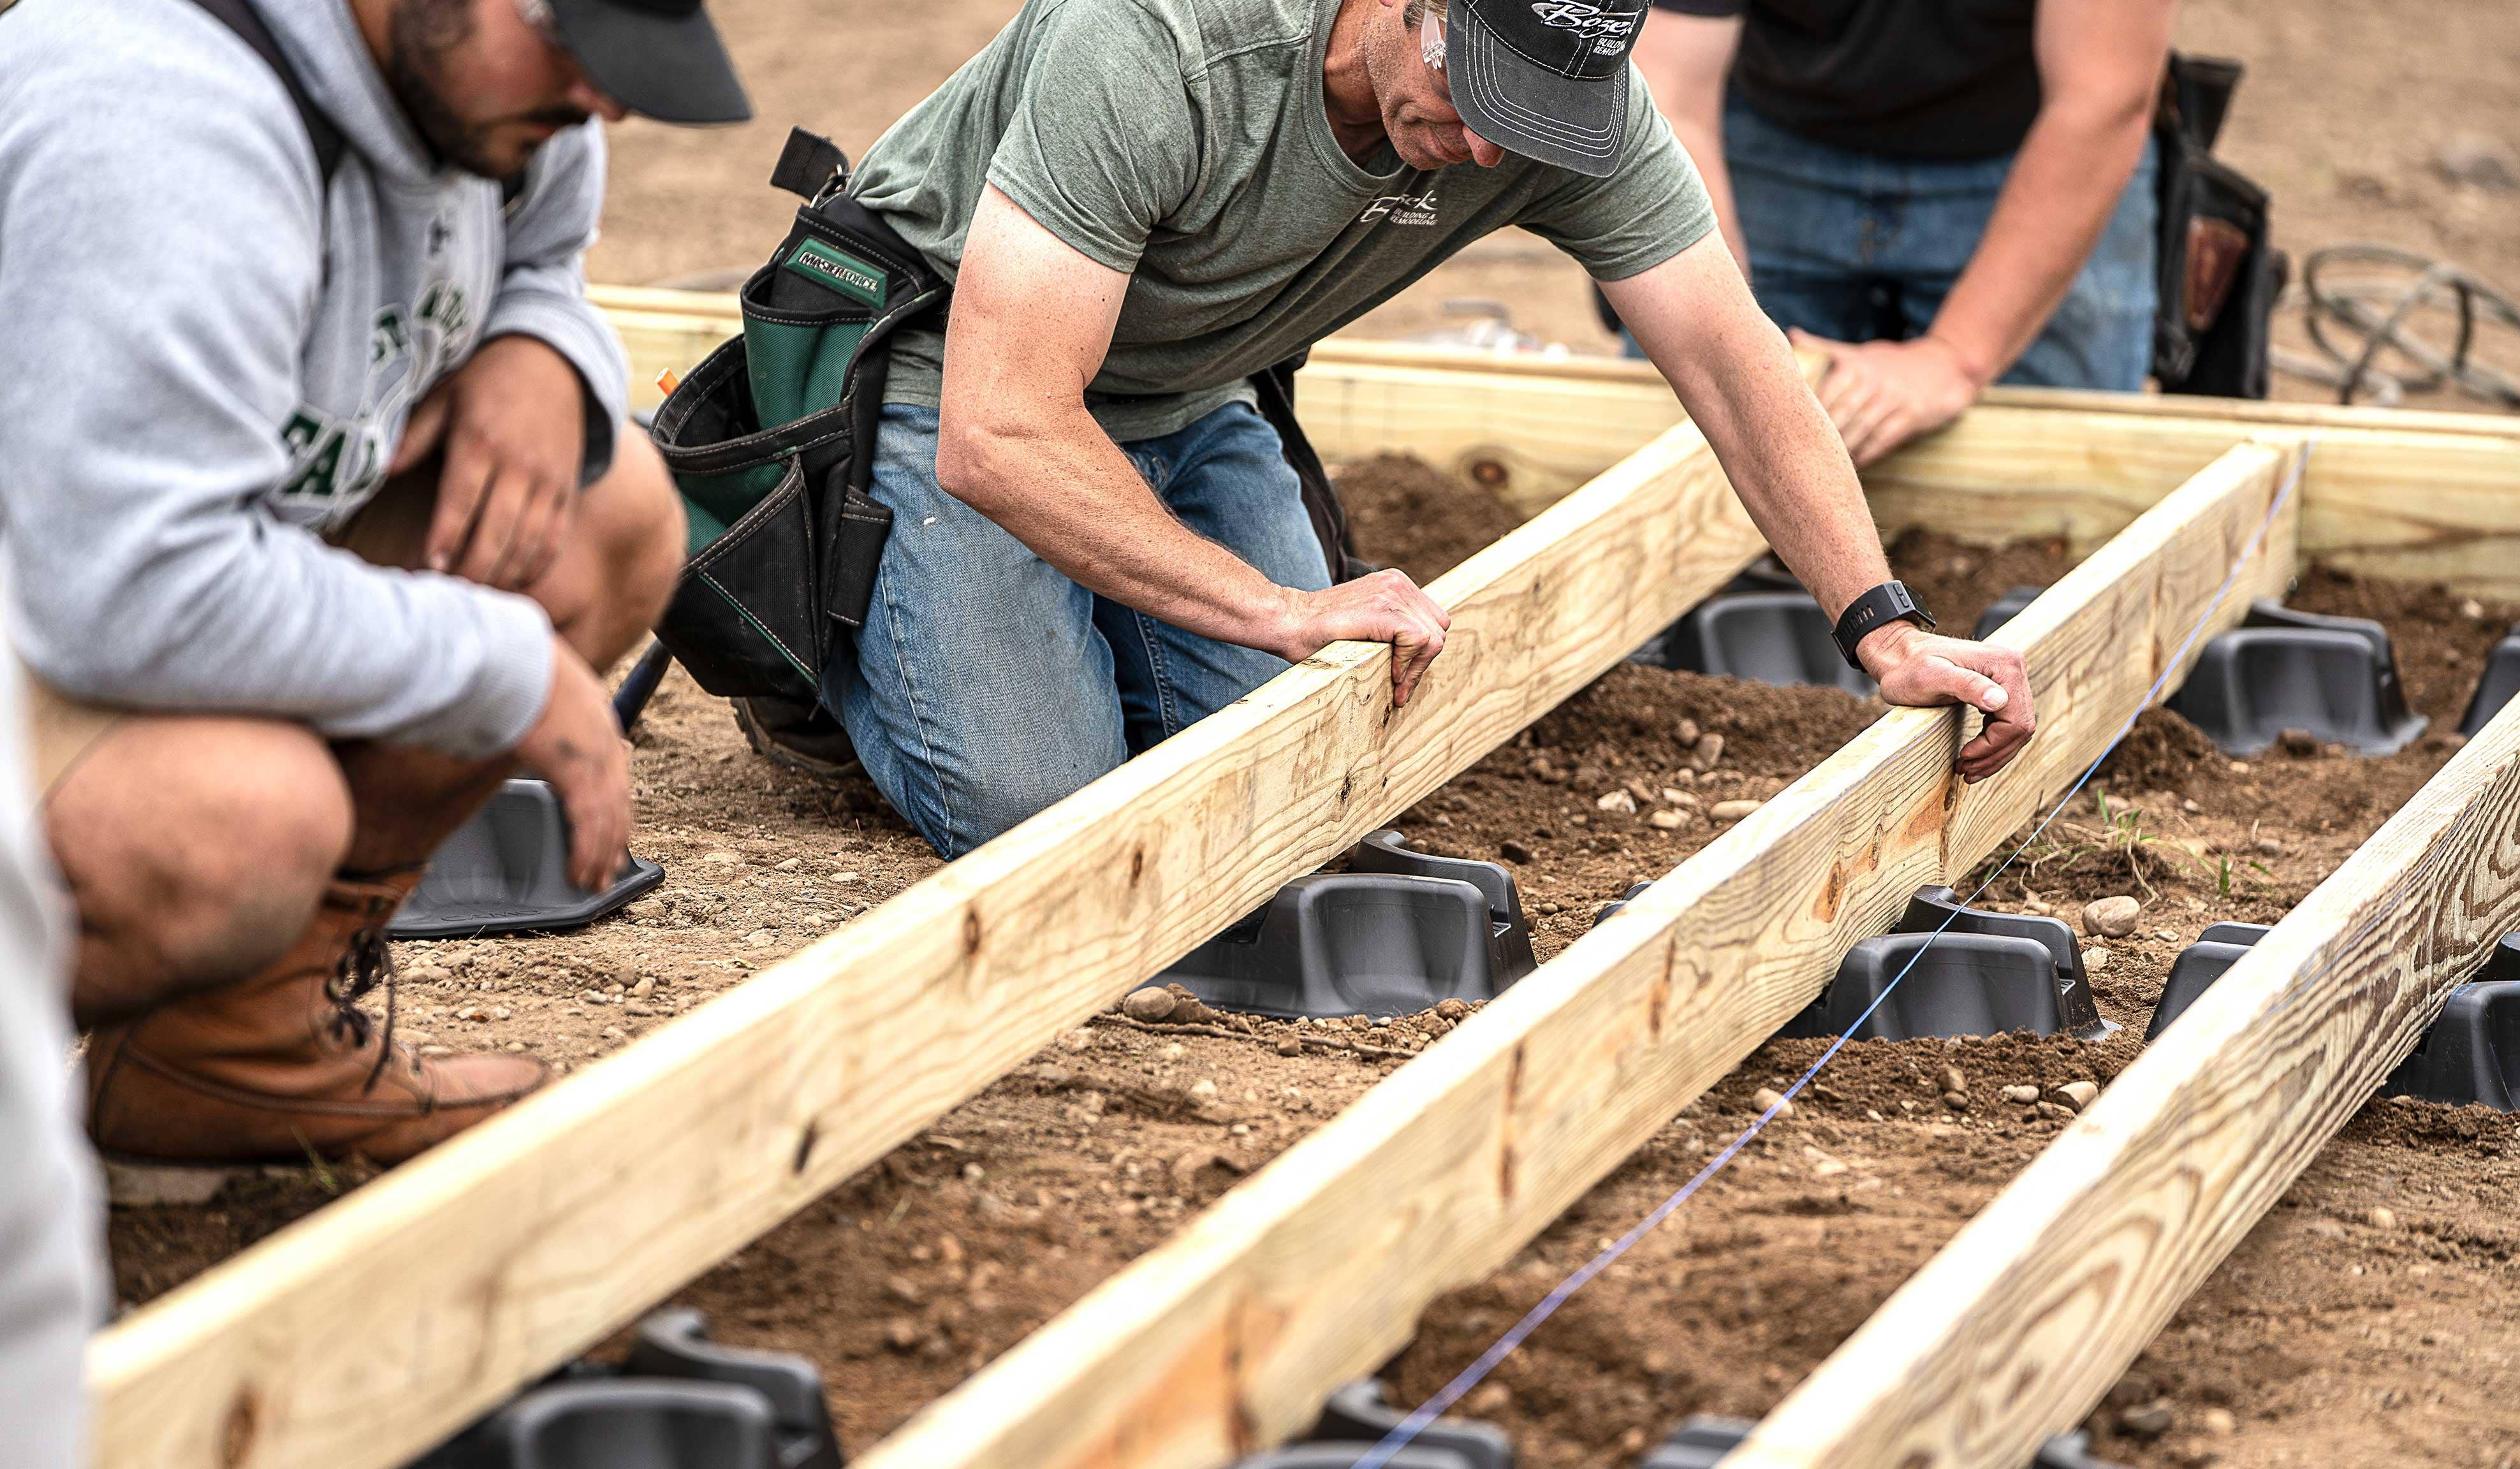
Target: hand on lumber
pixel 513 423
pixel 577 746
pixel 1915 668
pixel 1384 607
pixel 1880 394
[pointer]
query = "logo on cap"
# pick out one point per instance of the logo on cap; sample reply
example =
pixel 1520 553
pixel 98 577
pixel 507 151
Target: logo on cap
pixel 1609 32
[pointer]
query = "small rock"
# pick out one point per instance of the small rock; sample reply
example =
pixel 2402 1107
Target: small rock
pixel 2149 1421
pixel 2024 1094
pixel 1513 852
pixel 1619 801
pixel 2166 935
pixel 2096 959
pixel 1490 1401
pixel 2111 917
pixel 1955 1100
pixel 2221 1422
pixel 615 1034
pixel 787 864
pixel 1732 811
pixel 516 1045
pixel 1288 1045
pixel 1769 1097
pixel 1668 821
pixel 1204 1088
pixel 2472 609
pixel 1077 1040
pixel 2479 162
pixel 2270 847
pixel 1685 732
pixel 2079 1094
pixel 720 859
pixel 760 938
pixel 427 974
pixel 2298 743
pixel 2190 807
pixel 1175 1051
pixel 1453 1009
pixel 1709 751
pixel 2055 1113
pixel 1953 1081
pixel 901 1334
pixel 2239 767
pixel 2381 1218
pixel 1151 1004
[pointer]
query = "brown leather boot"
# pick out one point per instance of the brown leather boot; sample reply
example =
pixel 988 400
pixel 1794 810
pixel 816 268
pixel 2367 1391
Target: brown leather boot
pixel 285 1063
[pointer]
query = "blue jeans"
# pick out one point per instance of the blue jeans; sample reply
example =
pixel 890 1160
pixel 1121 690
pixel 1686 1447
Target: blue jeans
pixel 986 685
pixel 1862 247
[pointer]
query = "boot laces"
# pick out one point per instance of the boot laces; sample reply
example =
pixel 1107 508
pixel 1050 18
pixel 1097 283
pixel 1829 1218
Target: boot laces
pixel 365 964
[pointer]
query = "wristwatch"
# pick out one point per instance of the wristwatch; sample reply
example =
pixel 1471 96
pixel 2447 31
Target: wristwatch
pixel 1890 601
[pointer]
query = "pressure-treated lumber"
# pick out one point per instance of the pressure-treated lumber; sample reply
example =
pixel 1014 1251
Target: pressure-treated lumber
pixel 356 1336
pixel 2020 1325
pixel 2414 496
pixel 1316 1268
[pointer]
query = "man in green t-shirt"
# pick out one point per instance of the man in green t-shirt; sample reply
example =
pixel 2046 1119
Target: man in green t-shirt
pixel 1096 540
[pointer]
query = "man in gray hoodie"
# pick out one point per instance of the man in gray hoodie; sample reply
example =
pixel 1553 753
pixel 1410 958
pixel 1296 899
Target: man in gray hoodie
pixel 320 509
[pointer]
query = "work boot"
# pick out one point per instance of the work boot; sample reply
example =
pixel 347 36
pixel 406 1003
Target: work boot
pixel 285 1064
pixel 801 737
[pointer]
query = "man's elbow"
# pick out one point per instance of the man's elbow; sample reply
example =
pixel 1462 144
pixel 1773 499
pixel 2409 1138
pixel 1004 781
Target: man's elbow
pixel 979 453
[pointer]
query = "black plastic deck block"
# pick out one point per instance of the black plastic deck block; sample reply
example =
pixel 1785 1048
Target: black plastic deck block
pixel 1346 1455
pixel 506 871
pixel 621 1424
pixel 1360 1414
pixel 1509 934
pixel 1987 973
pixel 2196 968
pixel 1703 1441
pixel 2004 609
pixel 675 1343
pixel 2279 670
pixel 2471 1053
pixel 1393 939
pixel 2494 691
pixel 1779 636
pixel 1623 899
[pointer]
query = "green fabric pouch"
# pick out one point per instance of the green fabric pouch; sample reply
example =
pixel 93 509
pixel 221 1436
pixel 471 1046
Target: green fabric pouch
pixel 771 442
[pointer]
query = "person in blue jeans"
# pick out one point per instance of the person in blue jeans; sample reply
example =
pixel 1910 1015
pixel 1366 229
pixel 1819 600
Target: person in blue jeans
pixel 1938 194
pixel 1096 540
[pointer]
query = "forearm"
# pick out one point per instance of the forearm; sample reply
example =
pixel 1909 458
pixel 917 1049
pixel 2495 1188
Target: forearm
pixel 2065 184
pixel 1054 480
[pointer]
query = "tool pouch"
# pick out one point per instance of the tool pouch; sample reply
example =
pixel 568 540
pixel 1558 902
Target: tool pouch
pixel 771 441
pixel 2219 273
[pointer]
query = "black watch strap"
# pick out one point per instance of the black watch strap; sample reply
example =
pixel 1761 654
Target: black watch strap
pixel 1890 601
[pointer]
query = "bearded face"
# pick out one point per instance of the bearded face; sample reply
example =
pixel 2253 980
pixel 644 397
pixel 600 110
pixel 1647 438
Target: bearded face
pixel 485 82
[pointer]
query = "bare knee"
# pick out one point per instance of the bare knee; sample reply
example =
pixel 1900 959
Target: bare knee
pixel 614 585
pixel 196 850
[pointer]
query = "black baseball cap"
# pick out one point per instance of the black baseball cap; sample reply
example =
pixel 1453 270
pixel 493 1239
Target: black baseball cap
pixel 1545 79
pixel 660 58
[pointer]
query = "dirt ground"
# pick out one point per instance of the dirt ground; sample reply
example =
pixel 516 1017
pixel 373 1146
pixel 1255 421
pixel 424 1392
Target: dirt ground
pixel 2344 115
pixel 2365 1322
pixel 911 1276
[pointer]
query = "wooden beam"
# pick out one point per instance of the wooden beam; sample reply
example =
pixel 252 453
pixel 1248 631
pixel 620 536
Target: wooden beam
pixel 2024 1320
pixel 1315 1271
pixel 360 1335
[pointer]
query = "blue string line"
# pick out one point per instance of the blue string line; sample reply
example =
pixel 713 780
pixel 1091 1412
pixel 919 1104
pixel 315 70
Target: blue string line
pixel 1471 1376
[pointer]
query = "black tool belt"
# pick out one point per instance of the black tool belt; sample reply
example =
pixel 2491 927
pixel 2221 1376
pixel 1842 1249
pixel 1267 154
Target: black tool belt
pixel 771 441
pixel 2220 274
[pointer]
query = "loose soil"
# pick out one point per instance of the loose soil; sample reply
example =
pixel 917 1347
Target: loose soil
pixel 2361 1322
pixel 909 1277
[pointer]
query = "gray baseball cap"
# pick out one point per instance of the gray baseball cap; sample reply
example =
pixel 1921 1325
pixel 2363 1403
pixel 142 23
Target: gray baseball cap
pixel 660 58
pixel 1545 79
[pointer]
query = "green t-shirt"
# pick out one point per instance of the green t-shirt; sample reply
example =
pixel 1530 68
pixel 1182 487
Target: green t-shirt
pixel 1187 143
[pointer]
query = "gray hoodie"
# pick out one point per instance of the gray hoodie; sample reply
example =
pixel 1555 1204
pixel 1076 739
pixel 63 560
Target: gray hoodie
pixel 204 365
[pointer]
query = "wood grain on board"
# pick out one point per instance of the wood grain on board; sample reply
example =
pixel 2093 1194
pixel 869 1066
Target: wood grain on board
pixel 360 1335
pixel 2025 1319
pixel 1313 1272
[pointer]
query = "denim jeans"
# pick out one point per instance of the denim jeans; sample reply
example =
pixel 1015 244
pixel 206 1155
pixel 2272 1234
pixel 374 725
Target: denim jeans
pixel 1862 247
pixel 986 685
